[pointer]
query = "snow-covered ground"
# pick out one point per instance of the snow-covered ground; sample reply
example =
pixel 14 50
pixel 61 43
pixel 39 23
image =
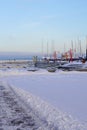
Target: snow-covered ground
pixel 59 98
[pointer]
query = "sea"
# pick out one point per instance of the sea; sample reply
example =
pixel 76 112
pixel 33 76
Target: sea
pixel 17 56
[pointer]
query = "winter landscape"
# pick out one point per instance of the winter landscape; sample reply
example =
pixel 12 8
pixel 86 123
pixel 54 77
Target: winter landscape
pixel 43 65
pixel 42 100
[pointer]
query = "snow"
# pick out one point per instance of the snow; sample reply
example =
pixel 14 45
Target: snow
pixel 58 98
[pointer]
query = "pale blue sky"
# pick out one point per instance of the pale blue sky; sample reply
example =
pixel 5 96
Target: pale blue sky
pixel 24 24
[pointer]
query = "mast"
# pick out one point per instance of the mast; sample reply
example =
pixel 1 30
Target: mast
pixel 72 47
pixel 52 49
pixel 86 47
pixel 47 49
pixel 64 48
pixel 42 48
pixel 80 48
pixel 75 49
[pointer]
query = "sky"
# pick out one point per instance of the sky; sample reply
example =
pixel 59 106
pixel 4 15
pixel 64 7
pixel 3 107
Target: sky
pixel 26 25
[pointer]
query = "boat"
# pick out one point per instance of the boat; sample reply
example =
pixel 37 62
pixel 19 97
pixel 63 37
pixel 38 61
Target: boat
pixel 33 69
pixel 51 69
pixel 71 66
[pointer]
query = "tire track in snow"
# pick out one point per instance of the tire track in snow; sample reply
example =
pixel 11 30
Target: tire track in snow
pixel 13 116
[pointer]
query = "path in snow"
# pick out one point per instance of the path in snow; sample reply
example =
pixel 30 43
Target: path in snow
pixel 13 114
pixel 20 110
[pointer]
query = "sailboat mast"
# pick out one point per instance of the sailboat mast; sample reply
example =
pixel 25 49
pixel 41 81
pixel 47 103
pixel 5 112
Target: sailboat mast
pixel 47 49
pixel 86 47
pixel 52 49
pixel 72 45
pixel 42 48
pixel 75 49
pixel 80 48
pixel 64 48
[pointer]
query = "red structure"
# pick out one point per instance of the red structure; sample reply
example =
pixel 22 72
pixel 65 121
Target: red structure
pixel 71 55
pixel 54 55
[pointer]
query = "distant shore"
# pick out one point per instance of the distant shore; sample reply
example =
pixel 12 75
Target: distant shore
pixel 15 61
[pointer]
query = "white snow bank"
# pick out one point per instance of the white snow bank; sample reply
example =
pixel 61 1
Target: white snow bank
pixel 64 90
